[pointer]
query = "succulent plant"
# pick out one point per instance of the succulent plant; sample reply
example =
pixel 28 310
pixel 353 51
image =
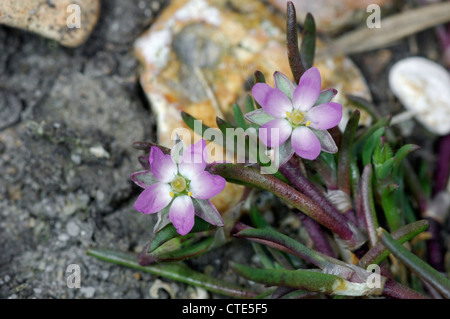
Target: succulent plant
pixel 355 193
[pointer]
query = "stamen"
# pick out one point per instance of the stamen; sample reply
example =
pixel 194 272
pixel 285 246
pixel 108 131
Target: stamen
pixel 189 193
pixel 171 194
pixel 308 123
pixel 288 114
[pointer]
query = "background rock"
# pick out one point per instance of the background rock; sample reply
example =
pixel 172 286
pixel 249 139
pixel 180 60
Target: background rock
pixel 70 22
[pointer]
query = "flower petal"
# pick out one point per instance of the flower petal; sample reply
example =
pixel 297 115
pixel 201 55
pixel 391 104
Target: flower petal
pixel 207 211
pixel 193 161
pixel 272 100
pixel 308 90
pixel 162 166
pixel 206 185
pixel 325 116
pixel 275 132
pixel 182 214
pixel 153 199
pixel 305 143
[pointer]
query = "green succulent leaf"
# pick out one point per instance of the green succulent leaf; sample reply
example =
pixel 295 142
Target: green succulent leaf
pixel 308 46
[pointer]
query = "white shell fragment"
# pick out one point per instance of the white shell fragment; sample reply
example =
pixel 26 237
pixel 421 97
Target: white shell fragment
pixel 423 87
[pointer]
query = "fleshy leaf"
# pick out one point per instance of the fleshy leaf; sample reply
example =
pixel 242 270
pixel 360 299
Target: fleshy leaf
pixel 239 117
pixel 370 146
pixel 169 232
pixel 305 279
pixel 308 46
pixel 417 265
pixel 325 96
pixel 295 61
pixel 326 141
pixel 345 155
pixel 206 210
pixel 174 271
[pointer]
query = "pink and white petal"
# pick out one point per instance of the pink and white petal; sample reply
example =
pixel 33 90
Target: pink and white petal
pixel 325 116
pixel 305 143
pixel 275 132
pixel 182 214
pixel 308 90
pixel 272 100
pixel 195 153
pixel 162 166
pixel 153 199
pixel 207 211
pixel 193 161
pixel 206 185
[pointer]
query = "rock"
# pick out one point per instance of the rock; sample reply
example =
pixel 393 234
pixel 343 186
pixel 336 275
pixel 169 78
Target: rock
pixel 10 108
pixel 422 86
pixel 70 22
pixel 333 16
pixel 200 56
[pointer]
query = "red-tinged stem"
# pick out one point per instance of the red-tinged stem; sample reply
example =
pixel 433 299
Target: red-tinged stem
pixel 345 153
pixel 313 207
pixel 442 165
pixel 316 234
pixel 395 290
pixel 434 245
pixel 368 205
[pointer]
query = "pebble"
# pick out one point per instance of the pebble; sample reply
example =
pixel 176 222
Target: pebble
pixel 56 20
pixel 72 228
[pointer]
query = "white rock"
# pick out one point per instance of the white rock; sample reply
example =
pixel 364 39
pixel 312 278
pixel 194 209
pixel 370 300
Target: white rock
pixel 423 87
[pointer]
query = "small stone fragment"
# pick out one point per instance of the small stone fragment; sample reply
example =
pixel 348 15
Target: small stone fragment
pixel 422 86
pixel 10 108
pixel 70 22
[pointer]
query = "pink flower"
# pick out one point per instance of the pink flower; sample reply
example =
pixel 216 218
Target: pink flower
pixel 300 115
pixel 178 185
